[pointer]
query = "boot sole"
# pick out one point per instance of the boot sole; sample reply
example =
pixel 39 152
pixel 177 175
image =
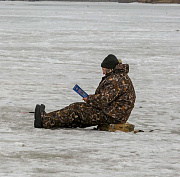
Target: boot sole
pixel 39 110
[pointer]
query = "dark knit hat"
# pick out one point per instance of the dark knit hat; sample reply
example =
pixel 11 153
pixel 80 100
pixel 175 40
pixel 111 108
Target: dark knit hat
pixel 109 62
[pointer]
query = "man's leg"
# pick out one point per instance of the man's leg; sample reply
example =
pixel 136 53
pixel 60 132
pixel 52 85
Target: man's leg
pixel 75 115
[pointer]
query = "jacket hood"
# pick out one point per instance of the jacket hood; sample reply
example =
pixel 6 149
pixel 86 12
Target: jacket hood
pixel 122 68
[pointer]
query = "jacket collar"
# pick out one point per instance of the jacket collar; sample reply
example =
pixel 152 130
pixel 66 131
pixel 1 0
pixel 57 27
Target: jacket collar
pixel 121 68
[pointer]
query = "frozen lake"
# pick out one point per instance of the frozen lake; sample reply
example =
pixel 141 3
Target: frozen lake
pixel 48 47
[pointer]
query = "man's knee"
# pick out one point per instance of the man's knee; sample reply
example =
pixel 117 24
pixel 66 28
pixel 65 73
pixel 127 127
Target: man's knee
pixel 77 105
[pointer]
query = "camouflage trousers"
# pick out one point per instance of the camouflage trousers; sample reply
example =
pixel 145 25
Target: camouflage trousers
pixel 76 115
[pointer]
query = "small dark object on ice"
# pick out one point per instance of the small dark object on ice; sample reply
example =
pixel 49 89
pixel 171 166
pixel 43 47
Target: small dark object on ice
pixel 136 131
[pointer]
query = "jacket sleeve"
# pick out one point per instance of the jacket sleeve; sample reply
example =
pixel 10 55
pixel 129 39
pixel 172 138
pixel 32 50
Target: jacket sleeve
pixel 110 92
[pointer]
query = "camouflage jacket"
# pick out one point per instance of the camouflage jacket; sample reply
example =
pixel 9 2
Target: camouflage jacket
pixel 115 95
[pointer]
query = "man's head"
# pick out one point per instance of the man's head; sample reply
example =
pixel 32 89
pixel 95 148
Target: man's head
pixel 109 63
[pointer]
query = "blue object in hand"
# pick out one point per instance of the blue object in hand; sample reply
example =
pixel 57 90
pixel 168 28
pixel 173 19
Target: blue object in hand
pixel 80 91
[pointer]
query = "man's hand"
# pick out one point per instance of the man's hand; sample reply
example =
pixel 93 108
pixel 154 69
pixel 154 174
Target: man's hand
pixel 85 99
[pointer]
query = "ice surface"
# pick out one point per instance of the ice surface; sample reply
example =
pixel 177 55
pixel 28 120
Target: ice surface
pixel 48 47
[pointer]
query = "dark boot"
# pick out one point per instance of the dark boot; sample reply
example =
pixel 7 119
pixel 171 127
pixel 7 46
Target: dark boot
pixel 38 115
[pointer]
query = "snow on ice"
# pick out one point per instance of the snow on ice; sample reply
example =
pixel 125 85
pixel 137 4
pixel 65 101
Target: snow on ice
pixel 48 47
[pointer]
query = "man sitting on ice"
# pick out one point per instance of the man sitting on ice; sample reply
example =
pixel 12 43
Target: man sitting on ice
pixel 112 102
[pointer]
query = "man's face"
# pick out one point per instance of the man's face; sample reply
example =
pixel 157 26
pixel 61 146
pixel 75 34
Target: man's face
pixel 104 70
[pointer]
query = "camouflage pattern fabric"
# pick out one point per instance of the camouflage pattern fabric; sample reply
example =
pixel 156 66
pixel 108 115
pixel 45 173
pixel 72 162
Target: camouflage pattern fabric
pixel 76 115
pixel 112 102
